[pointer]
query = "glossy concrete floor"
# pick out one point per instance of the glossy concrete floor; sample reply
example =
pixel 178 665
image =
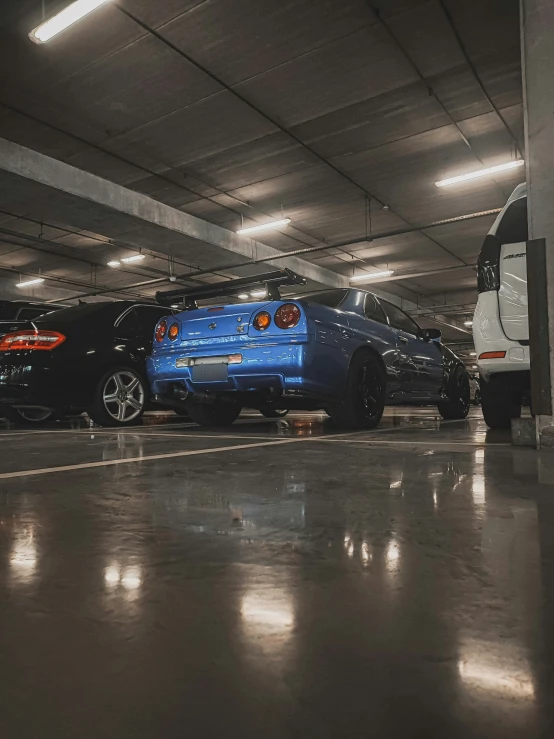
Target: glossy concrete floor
pixel 275 580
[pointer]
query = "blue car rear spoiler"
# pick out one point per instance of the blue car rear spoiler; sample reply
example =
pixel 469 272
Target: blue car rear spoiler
pixel 190 295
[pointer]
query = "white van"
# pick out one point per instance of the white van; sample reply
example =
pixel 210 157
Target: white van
pixel 501 324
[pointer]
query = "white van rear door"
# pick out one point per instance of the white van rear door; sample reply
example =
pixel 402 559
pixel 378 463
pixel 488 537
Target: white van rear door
pixel 512 296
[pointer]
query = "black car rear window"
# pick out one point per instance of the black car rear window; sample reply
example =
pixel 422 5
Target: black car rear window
pixel 80 312
pixel 330 298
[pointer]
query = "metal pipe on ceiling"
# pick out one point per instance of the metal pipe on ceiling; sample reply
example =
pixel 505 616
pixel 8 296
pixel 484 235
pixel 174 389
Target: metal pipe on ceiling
pixel 270 119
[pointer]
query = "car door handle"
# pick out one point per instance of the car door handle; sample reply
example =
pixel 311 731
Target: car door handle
pixel 403 339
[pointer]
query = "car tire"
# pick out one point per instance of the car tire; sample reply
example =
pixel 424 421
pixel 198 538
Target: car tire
pixel 456 407
pixel 364 401
pixel 500 402
pixel 119 398
pixel 30 416
pixel 274 412
pixel 213 415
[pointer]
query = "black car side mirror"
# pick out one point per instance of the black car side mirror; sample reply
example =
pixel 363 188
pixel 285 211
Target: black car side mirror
pixel 430 334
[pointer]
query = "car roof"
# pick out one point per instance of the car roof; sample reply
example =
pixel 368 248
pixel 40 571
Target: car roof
pixel 108 310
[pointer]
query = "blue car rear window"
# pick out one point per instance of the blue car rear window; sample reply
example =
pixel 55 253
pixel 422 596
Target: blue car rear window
pixel 331 298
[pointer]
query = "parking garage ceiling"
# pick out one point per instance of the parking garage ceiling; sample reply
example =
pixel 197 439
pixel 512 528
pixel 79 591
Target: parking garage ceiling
pixel 337 114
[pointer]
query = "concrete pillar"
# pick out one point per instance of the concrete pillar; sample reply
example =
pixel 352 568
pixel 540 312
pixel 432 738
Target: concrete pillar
pixel 537 34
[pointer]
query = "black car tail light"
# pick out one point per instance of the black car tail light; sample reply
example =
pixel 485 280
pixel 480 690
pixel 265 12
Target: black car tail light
pixel 31 340
pixel 161 330
pixel 287 316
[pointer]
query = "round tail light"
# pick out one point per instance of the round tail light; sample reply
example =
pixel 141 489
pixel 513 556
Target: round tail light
pixel 161 330
pixel 262 321
pixel 287 316
pixel 173 332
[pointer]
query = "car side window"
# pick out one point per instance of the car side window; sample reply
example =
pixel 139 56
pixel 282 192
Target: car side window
pixel 399 320
pixel 129 325
pixel 148 317
pixel 373 310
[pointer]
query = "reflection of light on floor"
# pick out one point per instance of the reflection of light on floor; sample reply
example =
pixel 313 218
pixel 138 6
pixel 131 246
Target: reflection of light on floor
pixel 365 554
pixel 130 577
pixel 272 610
pixel 396 484
pixel 392 554
pixel 478 489
pixel 112 575
pixel 477 673
pixel 479 455
pixel 435 500
pixel 23 557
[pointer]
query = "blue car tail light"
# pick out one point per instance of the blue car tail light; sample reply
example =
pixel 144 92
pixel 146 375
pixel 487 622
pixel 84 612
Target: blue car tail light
pixel 287 316
pixel 262 321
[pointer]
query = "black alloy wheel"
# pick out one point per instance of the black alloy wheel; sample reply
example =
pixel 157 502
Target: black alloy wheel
pixel 364 401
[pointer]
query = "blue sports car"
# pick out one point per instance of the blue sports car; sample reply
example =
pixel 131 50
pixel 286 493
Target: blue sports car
pixel 343 350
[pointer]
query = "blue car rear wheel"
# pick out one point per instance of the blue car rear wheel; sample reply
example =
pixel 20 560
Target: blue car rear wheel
pixel 364 401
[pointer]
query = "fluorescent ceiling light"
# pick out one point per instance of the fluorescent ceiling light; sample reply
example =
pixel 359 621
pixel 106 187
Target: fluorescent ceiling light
pixel 480 173
pixel 27 283
pixel 264 226
pixel 473 354
pixel 67 17
pixel 243 296
pixel 136 258
pixel 468 323
pixel 258 293
pixel 114 263
pixel 367 276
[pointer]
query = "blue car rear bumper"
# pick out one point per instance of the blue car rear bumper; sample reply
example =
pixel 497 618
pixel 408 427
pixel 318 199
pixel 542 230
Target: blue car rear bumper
pixel 301 366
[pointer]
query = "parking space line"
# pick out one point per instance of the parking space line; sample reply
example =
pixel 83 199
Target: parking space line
pixel 428 443
pixel 151 457
pixel 147 458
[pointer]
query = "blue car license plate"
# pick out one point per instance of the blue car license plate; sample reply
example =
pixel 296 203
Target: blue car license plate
pixel 209 372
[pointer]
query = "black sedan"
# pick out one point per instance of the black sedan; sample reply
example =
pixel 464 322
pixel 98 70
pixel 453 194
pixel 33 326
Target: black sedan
pixel 86 358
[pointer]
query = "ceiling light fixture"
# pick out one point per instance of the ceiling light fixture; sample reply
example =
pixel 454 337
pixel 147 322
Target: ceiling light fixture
pixel 481 173
pixel 28 283
pixel 468 323
pixel 114 263
pixel 473 354
pixel 264 226
pixel 243 296
pixel 135 258
pixel 258 294
pixel 67 17
pixel 368 276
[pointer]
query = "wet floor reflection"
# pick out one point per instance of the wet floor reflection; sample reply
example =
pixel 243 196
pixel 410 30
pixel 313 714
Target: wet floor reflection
pixel 329 587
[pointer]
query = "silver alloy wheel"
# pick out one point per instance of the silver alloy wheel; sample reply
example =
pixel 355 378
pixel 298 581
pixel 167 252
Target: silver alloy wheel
pixel 34 415
pixel 123 396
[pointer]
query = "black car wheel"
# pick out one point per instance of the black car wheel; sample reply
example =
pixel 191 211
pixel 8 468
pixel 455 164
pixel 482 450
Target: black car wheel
pixel 217 414
pixel 31 416
pixel 456 406
pixel 274 412
pixel 500 401
pixel 119 398
pixel 364 401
